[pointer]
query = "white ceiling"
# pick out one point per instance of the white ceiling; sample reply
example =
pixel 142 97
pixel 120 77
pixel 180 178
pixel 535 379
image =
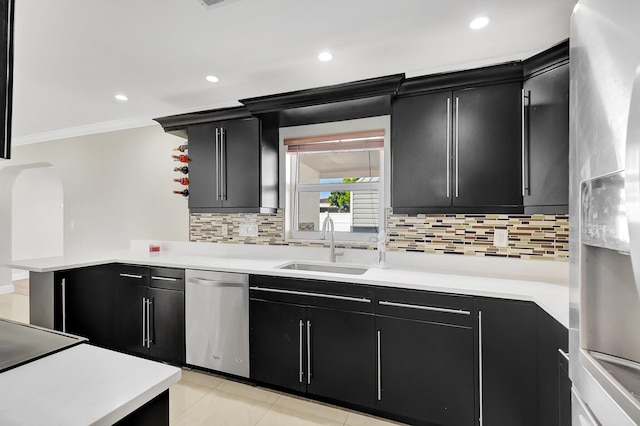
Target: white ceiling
pixel 73 56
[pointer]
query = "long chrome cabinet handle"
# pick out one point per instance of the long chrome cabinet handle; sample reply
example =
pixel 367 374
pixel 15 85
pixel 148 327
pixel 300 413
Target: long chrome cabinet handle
pixel 301 365
pixel 217 163
pixel 164 279
pixel 305 293
pixel 144 322
pixel 457 141
pixel 131 276
pixel 223 164
pixel 63 285
pixel 379 369
pixel 480 364
pixel 149 339
pixel 425 308
pixel 525 181
pixel 308 352
pixel 448 147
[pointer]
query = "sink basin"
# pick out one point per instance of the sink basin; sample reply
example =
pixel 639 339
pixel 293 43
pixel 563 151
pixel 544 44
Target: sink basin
pixel 322 267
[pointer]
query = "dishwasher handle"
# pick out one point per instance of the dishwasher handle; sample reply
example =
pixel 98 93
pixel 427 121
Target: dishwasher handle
pixel 215 283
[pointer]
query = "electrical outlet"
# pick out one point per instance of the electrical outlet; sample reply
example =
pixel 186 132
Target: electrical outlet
pixel 248 229
pixel 500 238
pixel 224 230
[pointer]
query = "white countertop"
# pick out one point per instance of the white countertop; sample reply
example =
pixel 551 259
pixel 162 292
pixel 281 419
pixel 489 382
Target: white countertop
pixel 81 385
pixel 552 297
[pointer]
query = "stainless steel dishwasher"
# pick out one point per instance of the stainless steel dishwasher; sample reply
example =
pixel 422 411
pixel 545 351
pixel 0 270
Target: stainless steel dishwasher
pixel 217 321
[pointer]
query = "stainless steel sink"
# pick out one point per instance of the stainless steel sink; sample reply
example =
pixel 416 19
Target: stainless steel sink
pixel 322 267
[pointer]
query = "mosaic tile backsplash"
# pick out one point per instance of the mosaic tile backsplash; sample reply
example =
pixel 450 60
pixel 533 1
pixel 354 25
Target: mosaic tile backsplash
pixel 542 237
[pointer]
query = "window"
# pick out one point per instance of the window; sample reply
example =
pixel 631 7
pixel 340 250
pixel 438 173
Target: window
pixel 336 174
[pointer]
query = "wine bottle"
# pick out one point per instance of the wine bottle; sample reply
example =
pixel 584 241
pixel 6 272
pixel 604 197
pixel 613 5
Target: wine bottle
pixel 184 192
pixel 182 158
pixel 181 148
pixel 183 180
pixel 183 169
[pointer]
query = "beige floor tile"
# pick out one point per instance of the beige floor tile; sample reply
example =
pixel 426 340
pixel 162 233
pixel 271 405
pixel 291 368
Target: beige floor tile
pixel 248 391
pixel 282 416
pixel 14 307
pixel 358 419
pixel 317 409
pixel 183 395
pixel 201 378
pixel 222 408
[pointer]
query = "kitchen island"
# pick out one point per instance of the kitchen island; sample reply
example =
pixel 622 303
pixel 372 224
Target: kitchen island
pixel 84 384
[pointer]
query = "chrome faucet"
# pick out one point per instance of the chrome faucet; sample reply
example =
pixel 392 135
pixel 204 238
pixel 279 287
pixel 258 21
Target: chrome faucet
pixel 328 223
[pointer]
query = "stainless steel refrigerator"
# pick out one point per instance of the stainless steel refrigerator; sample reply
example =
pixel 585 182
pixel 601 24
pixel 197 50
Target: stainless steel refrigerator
pixel 605 212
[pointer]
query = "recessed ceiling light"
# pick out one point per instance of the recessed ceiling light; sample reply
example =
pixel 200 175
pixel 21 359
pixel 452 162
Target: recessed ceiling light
pixel 479 22
pixel 325 56
pixel 121 97
pixel 212 79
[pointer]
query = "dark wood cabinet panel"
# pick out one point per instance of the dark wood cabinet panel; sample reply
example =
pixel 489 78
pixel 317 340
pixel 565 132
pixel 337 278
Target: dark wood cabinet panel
pixel 167 325
pixel 426 371
pixel 458 151
pixel 487 146
pixel 508 371
pixel 547 130
pixel 241 163
pixel 90 300
pixel 342 355
pixel 277 334
pixel 203 166
pixel 421 146
pixel 131 314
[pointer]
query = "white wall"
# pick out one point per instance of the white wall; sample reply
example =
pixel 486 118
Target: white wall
pixel 117 186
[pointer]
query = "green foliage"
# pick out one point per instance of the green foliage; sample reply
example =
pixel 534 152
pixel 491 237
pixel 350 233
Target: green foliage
pixel 342 199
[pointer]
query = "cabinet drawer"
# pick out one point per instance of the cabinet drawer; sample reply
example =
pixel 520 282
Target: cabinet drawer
pixel 167 278
pixel 326 294
pixel 425 306
pixel 133 272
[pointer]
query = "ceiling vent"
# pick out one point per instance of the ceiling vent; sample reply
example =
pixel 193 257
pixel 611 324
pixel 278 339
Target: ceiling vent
pixel 210 4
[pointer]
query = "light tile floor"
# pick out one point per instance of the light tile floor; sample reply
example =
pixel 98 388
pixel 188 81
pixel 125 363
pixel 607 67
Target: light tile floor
pixel 206 399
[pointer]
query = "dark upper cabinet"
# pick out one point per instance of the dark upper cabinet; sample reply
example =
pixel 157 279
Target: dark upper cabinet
pixel 507 362
pixel 233 159
pixel 458 151
pixel 6 75
pixel 224 165
pixel 547 141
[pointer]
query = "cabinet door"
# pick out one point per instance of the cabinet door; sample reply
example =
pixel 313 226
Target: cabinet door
pixel 508 369
pixel 90 304
pixel 488 146
pixel 426 371
pixel 548 141
pixel 420 142
pixel 131 312
pixel 343 355
pixel 277 336
pixel 167 325
pixel 203 171
pixel 241 171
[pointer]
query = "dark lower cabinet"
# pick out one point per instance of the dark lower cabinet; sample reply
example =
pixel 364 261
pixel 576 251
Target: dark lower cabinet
pixel 150 312
pixel 88 306
pixel 426 371
pixel 507 362
pixel 308 340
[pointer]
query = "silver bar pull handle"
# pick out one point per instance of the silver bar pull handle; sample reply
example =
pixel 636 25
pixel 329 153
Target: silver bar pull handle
pixel 223 164
pixel 564 354
pixel 480 364
pixel 306 293
pixel 457 150
pixel 144 322
pixel 63 285
pixel 379 370
pixel 308 352
pixel 149 339
pixel 139 277
pixel 301 365
pixel 217 163
pixel 425 308
pixel 448 147
pixel 525 162
pixel 164 279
